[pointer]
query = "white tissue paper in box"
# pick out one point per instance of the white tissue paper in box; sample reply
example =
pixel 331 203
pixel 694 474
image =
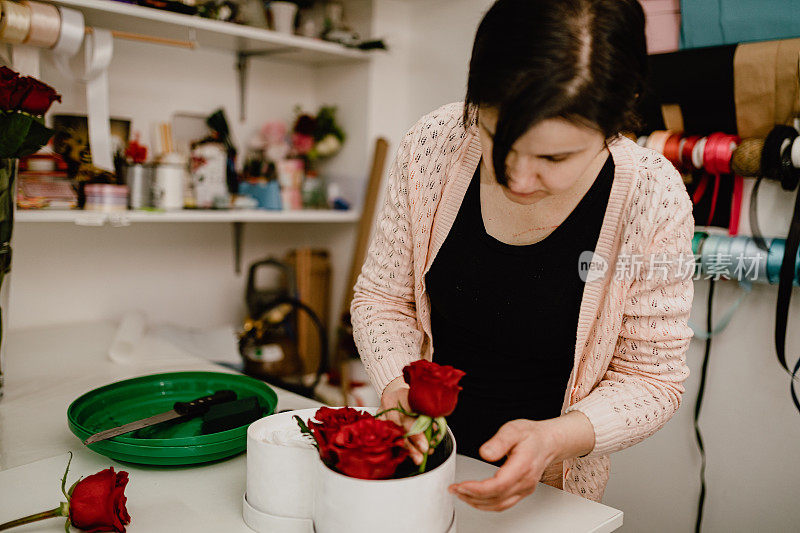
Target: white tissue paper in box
pixel 280 466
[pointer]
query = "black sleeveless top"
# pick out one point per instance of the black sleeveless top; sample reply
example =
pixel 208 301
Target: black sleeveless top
pixel 508 315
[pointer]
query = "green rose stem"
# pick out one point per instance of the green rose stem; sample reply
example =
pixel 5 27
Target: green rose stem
pixel 428 437
pixel 61 510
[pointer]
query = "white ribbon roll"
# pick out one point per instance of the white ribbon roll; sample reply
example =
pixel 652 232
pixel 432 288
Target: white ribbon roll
pixel 70 35
pixel 15 22
pixel 70 39
pixel 98 51
pixel 45 24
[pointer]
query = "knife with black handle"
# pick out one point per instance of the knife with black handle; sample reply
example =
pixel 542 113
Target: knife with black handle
pixel 179 410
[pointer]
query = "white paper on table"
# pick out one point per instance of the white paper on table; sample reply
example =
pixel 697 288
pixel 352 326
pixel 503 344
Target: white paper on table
pixel 135 342
pixel 218 344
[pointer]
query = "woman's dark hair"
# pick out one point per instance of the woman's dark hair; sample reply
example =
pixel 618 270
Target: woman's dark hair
pixel 582 60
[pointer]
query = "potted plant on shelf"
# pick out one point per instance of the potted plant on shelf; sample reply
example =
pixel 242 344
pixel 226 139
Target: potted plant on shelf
pixel 23 102
pixel 315 138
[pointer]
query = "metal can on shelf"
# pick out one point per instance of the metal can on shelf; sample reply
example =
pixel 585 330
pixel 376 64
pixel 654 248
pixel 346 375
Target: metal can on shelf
pixel 138 177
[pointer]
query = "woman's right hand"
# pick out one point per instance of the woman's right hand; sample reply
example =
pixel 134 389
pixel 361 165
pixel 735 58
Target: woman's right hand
pixel 397 392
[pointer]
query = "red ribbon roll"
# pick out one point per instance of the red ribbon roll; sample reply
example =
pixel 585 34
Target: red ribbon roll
pixel 719 152
pixel 672 150
pixel 686 151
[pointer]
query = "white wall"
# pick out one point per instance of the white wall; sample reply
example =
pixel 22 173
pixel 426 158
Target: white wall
pixel 443 31
pixel 182 272
pixel 749 423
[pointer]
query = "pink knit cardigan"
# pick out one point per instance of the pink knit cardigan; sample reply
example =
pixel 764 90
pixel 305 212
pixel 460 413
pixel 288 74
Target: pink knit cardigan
pixel 632 331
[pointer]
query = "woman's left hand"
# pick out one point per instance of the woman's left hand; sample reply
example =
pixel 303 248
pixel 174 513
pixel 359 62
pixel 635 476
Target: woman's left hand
pixel 530 446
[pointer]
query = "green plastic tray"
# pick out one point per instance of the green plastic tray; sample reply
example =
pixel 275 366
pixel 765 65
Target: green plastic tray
pixel 170 443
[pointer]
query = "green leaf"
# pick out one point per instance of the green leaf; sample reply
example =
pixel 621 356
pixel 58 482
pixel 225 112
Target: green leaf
pixel 64 479
pixel 441 426
pixel 422 423
pixel 14 129
pixel 37 136
pixel 305 431
pixel 66 525
pixel 6 214
pixel 72 488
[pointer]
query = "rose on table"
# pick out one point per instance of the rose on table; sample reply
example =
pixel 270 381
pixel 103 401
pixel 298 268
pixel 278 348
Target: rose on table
pixel 94 503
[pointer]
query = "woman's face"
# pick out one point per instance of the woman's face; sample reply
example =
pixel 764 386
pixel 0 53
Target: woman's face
pixel 547 160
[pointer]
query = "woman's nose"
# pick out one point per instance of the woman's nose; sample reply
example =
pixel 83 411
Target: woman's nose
pixel 521 174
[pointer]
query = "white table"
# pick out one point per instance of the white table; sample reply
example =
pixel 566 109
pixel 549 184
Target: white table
pixel 47 369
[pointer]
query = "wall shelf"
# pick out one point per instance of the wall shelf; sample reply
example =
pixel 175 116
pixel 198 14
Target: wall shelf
pixel 213 33
pixel 126 218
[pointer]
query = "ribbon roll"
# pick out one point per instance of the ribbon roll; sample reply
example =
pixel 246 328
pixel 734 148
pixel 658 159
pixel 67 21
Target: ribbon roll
pixel 712 257
pixel 744 266
pixel 790 175
pixel 774 260
pixel 753 250
pixel 774 145
pixel 796 152
pixel 657 140
pixel 698 239
pixel 98 51
pixel 672 150
pixel 15 22
pixel 687 148
pixel 697 152
pixel 71 32
pixel 718 152
pixel 45 24
pixel 746 160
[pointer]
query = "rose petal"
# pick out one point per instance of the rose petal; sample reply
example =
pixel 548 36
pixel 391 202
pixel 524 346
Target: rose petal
pixel 98 502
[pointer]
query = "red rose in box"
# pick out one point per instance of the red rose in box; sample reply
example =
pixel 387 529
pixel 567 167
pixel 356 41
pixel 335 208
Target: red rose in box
pixel 364 470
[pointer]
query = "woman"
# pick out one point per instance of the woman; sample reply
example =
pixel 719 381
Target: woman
pixel 525 241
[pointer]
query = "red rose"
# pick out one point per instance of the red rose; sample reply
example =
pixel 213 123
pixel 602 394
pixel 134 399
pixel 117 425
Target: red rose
pixel 98 502
pixel 137 153
pixel 433 388
pixel 327 425
pixel 369 449
pixel 8 83
pixel 38 97
pixel 305 125
pixel 302 144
